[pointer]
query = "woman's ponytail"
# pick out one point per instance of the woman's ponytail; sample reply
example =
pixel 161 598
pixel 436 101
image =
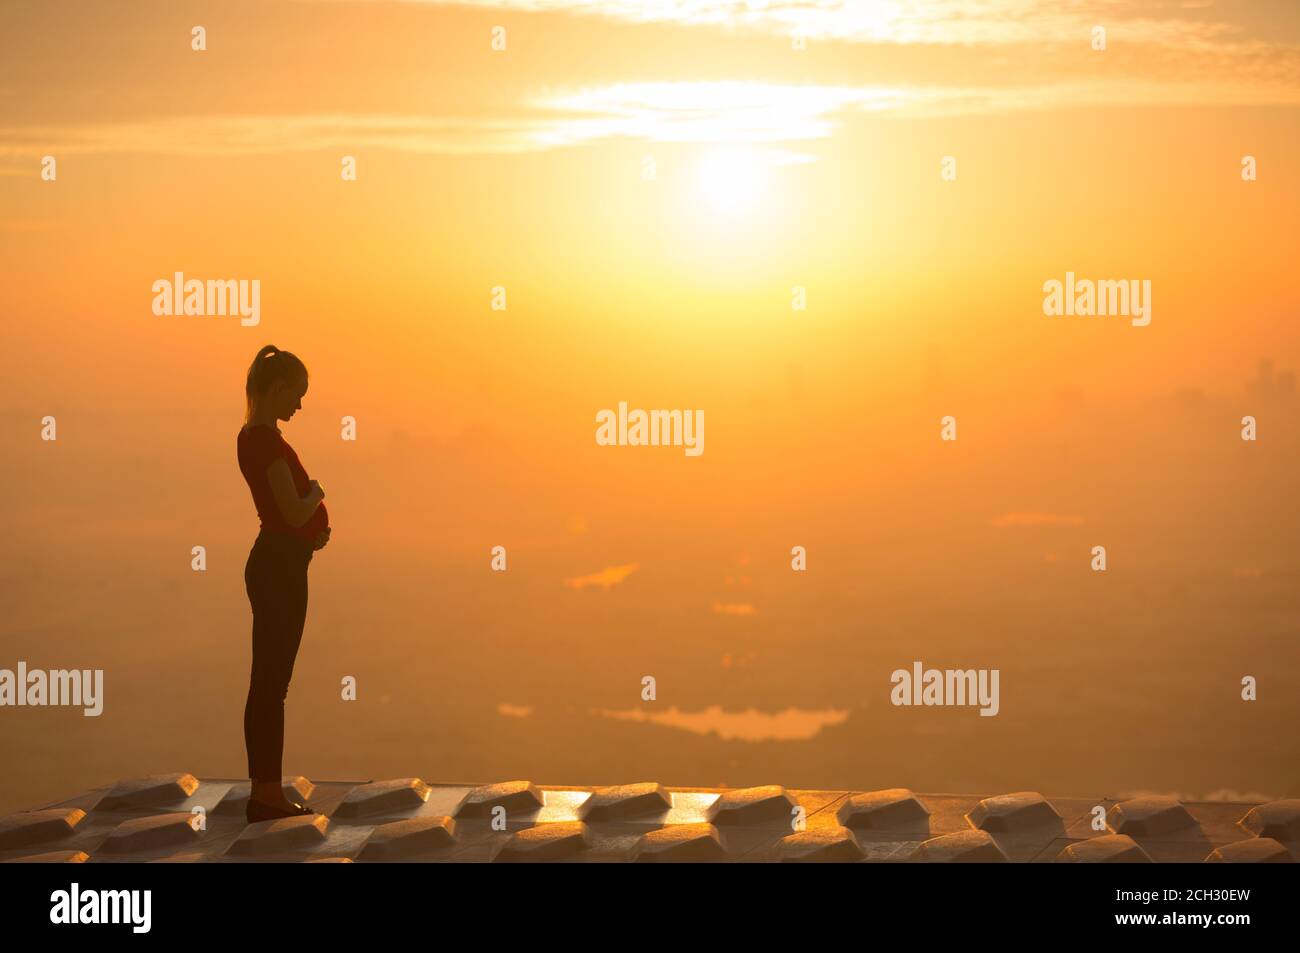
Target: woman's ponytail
pixel 270 365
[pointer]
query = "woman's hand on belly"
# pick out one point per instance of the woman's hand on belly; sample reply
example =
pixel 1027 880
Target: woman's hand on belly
pixel 322 538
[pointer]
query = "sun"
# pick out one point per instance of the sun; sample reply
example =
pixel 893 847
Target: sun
pixel 729 180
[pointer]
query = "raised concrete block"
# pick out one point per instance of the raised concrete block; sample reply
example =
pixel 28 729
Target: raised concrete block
pixel 623 801
pixel 820 845
pixel 1009 813
pixel 54 857
pixel 384 797
pixel 517 797
pixel 153 833
pixel 768 803
pixel 1279 820
pixel 38 827
pixel 892 809
pixel 155 790
pixel 546 842
pixel 681 842
pixel 1254 850
pixel 412 837
pixel 1107 849
pixel 1151 816
pixel 281 835
pixel 296 788
pixel 963 847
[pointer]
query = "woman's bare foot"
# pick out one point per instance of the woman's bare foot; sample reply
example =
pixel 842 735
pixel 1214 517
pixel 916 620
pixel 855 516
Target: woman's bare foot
pixel 269 796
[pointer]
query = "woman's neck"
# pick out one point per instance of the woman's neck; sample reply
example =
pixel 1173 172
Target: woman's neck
pixel 258 417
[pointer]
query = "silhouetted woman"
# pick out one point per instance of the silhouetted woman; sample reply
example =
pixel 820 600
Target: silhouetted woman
pixel 294 524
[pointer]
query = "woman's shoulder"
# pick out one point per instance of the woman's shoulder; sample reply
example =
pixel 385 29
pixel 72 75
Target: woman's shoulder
pixel 253 436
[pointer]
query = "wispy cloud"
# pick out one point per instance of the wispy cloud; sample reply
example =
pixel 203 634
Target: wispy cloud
pixel 606 579
pixel 897 21
pixel 723 111
pixel 733 608
pixel 674 112
pixel 260 135
pixel 751 112
pixel 981 57
pixel 792 724
pixel 668 112
pixel 1036 519
pixel 652 112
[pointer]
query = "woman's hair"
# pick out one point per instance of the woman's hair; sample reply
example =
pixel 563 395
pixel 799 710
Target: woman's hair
pixel 270 365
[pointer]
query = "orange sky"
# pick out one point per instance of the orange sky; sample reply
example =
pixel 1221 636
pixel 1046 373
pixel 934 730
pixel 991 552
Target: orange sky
pixel 523 168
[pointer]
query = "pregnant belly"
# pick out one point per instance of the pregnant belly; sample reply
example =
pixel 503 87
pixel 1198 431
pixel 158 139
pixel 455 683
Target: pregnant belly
pixel 319 521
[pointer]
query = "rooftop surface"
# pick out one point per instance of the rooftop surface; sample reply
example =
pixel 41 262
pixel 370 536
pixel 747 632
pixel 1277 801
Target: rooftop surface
pixel 179 818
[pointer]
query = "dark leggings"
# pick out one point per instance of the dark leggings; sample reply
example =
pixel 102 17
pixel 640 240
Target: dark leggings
pixel 275 578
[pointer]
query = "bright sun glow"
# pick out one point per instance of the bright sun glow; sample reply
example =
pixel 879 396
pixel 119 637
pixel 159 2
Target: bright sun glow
pixel 729 179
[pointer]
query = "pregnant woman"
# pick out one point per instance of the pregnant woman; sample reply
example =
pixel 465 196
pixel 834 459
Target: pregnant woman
pixel 294 524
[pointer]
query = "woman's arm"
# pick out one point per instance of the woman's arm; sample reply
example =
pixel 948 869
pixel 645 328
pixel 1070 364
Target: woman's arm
pixel 296 510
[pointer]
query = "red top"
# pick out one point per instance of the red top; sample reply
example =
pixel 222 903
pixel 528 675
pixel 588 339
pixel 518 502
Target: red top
pixel 259 447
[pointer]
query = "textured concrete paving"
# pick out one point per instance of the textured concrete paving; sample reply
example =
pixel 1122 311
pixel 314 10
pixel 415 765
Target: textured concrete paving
pixel 179 818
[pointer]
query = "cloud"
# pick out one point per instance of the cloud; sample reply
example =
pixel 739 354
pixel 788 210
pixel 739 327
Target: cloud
pixel 906 22
pixel 793 724
pixel 725 111
pixel 1036 519
pixel 721 111
pixel 704 112
pixel 733 608
pixel 1159 54
pixel 652 112
pixel 219 135
pixel 507 710
pixel 607 578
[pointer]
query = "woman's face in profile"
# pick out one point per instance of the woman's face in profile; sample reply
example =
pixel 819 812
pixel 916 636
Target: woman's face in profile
pixel 286 397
